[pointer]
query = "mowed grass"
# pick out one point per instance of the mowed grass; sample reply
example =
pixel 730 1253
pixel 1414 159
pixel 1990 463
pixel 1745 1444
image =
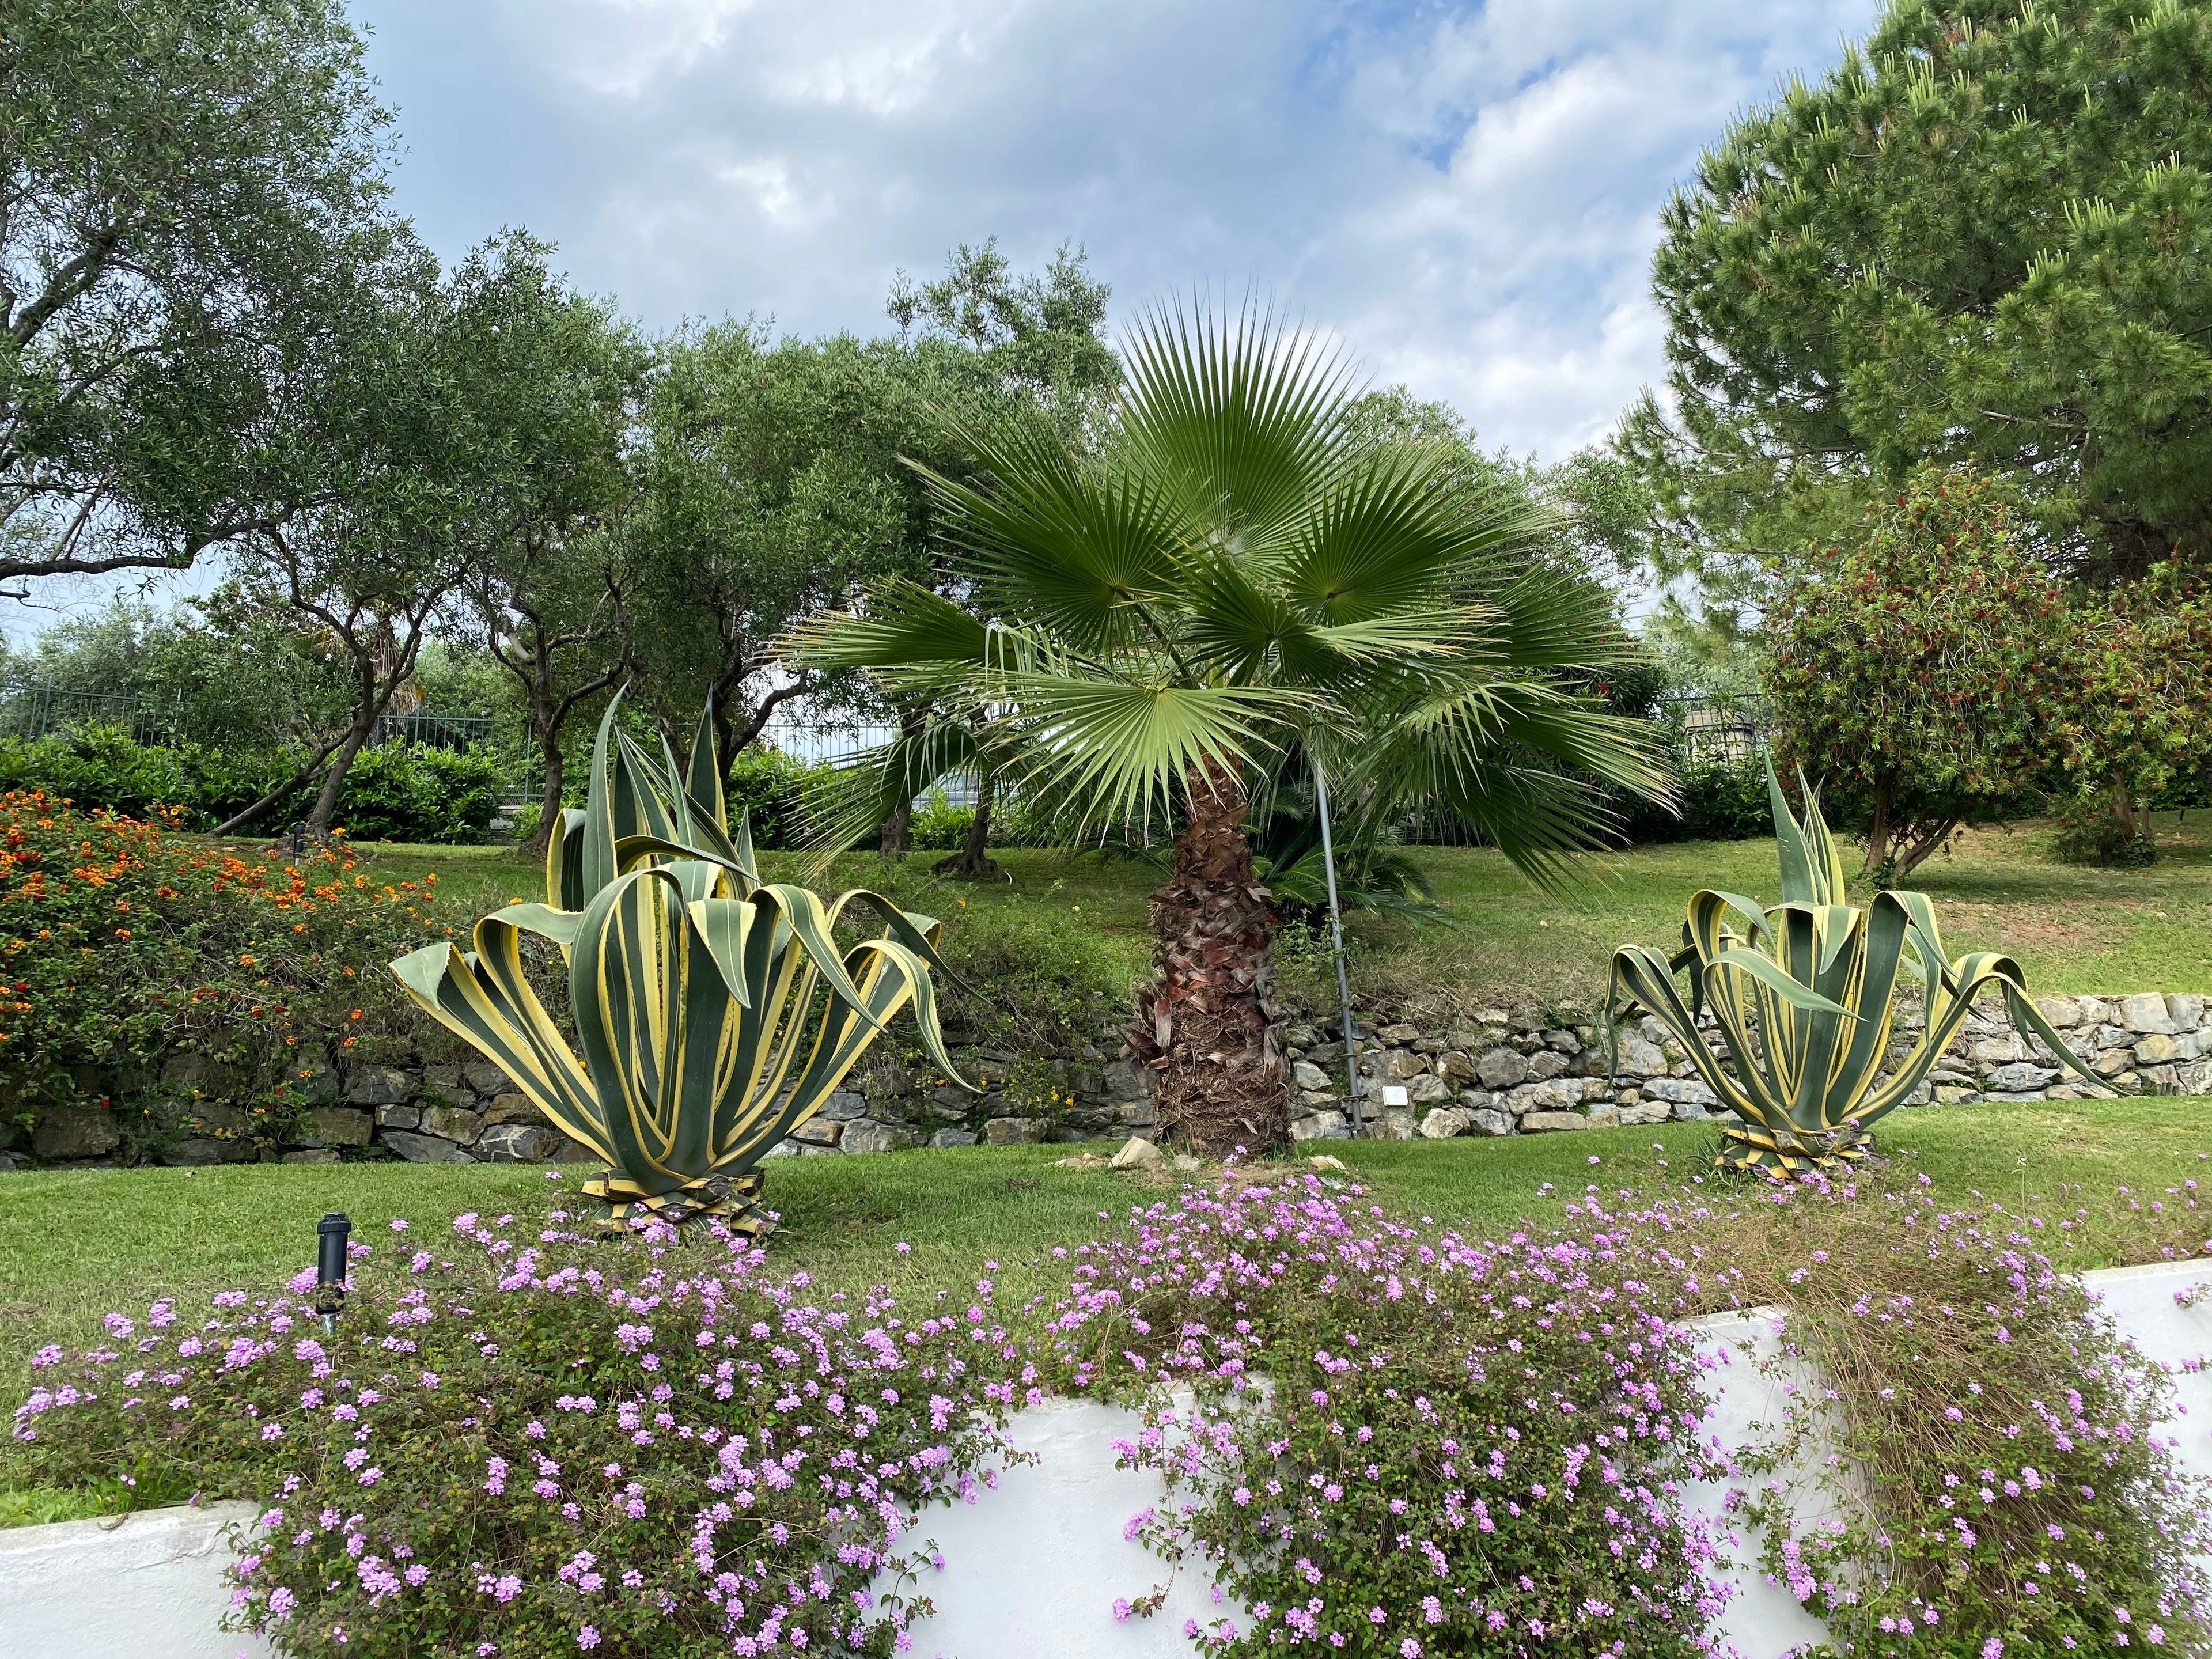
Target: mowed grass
pixel 2073 928
pixel 74 1244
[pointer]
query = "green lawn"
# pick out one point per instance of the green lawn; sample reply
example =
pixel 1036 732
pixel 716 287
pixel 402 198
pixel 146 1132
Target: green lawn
pixel 2074 929
pixel 76 1243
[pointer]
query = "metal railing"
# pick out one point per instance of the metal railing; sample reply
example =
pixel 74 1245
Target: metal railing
pixel 436 730
pixel 32 709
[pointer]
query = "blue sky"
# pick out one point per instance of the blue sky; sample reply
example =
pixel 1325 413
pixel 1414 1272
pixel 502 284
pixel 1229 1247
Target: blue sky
pixel 1465 194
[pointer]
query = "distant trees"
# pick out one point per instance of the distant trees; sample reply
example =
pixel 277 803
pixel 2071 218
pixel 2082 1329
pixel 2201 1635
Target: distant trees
pixel 1982 238
pixel 552 381
pixel 183 188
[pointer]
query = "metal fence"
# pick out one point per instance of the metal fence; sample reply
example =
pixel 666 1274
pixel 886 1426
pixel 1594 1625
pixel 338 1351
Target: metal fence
pixel 1709 730
pixel 31 709
pixel 824 743
pixel 437 731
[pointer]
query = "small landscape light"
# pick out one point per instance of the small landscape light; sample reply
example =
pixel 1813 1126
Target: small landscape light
pixel 330 1235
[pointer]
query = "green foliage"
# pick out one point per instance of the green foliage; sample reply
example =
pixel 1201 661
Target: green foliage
pixel 94 766
pixel 1025 976
pixel 396 792
pixel 122 943
pixel 1918 672
pixel 420 792
pixel 183 180
pixel 209 670
pixel 1721 799
pixel 765 789
pixel 1034 339
pixel 1807 1020
pixel 939 826
pixel 1934 673
pixel 716 1014
pixel 1981 237
pixel 2087 830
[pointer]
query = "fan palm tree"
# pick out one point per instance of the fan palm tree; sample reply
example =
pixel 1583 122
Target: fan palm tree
pixel 1139 628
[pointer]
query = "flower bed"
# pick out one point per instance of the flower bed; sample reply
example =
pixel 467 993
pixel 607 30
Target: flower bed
pixel 1379 1436
pixel 519 1442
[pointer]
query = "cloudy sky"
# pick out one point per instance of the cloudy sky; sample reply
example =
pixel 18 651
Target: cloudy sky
pixel 1467 193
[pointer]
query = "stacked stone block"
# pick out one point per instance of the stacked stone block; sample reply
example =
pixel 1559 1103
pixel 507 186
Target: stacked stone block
pixel 1502 1073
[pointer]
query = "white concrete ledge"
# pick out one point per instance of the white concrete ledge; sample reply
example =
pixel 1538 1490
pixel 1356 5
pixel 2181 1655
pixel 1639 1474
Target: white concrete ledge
pixel 1034 1567
pixel 143 1586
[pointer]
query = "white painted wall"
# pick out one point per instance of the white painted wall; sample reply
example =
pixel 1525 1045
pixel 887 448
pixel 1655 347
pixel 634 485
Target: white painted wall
pixel 1034 1568
pixel 143 1586
pixel 1031 1568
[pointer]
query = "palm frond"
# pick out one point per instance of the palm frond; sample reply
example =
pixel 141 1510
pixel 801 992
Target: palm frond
pixel 1237 419
pixel 1096 751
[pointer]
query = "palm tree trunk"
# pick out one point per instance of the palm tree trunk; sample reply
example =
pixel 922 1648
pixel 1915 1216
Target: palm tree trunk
pixel 1206 1024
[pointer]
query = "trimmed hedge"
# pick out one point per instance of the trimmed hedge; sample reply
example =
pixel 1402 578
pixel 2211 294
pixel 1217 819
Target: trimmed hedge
pixel 397 792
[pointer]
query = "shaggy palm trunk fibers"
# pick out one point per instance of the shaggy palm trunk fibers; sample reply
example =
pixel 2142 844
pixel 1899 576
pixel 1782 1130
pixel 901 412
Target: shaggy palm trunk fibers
pixel 1206 1022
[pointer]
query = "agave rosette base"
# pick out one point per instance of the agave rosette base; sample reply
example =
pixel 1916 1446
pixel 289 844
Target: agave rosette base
pixel 1802 994
pixel 715 1012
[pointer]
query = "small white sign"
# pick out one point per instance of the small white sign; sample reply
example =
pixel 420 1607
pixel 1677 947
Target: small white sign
pixel 1394 1094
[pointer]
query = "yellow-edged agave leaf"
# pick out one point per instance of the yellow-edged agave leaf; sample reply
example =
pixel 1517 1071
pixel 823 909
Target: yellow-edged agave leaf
pixel 714 1014
pixel 485 998
pixel 1805 1023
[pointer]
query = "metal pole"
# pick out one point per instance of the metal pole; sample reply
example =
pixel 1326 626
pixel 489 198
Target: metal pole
pixel 1336 938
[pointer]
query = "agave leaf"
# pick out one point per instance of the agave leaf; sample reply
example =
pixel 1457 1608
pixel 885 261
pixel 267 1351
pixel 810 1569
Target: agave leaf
pixel 564 861
pixel 1790 840
pixel 486 1000
pixel 1750 908
pixel 1830 884
pixel 703 775
pixel 598 861
pixel 714 1014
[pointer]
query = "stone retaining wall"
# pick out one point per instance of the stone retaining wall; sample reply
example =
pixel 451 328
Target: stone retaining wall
pixel 1501 1074
pixel 425 1100
pixel 422 1100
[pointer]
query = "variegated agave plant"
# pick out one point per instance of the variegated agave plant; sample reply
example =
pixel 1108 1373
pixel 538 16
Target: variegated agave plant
pixel 716 1012
pixel 1806 1019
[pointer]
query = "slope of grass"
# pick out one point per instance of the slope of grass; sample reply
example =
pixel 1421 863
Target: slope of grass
pixel 2074 929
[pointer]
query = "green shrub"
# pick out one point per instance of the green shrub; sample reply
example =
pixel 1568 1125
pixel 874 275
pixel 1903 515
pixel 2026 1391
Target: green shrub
pixel 1721 800
pixel 419 793
pixel 94 766
pixel 939 826
pixel 764 783
pixel 2088 831
pixel 396 792
pixel 1016 974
